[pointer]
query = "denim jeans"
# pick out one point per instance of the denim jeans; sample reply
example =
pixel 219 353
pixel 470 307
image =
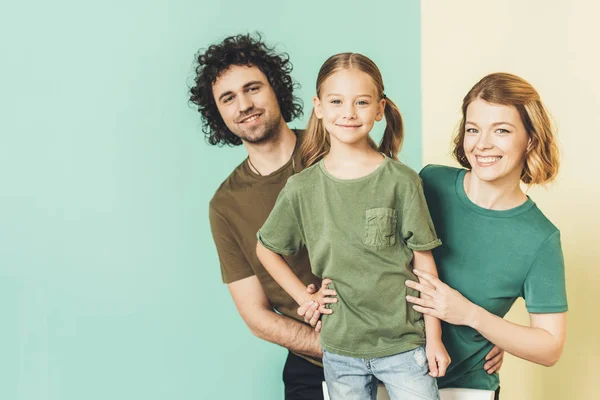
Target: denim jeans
pixel 405 376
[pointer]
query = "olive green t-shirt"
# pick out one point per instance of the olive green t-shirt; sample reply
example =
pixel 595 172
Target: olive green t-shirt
pixel 361 233
pixel 492 257
pixel 238 209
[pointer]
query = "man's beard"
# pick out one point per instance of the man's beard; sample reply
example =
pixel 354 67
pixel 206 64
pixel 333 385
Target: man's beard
pixel 266 132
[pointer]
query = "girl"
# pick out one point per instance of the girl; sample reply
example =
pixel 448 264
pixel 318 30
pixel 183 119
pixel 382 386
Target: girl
pixel 498 245
pixel 363 218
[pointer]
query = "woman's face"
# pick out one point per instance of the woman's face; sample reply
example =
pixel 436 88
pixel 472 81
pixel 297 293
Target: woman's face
pixel 495 141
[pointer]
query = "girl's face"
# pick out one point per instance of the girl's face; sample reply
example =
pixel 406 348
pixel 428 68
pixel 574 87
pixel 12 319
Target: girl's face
pixel 349 105
pixel 495 141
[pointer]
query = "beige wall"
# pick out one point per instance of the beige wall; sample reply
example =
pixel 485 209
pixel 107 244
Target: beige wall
pixel 552 44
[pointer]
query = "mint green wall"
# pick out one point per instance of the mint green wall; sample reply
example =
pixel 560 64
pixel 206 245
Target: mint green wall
pixel 109 281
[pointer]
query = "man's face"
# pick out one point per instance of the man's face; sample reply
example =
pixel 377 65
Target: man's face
pixel 247 103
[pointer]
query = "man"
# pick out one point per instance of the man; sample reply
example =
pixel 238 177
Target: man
pixel 244 93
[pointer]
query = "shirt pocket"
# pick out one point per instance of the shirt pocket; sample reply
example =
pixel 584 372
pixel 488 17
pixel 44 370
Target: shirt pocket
pixel 380 227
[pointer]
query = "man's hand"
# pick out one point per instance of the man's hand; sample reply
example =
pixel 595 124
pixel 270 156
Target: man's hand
pixel 310 312
pixel 494 360
pixel 312 309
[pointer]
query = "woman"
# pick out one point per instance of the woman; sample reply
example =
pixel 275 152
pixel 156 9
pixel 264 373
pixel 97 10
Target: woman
pixel 497 245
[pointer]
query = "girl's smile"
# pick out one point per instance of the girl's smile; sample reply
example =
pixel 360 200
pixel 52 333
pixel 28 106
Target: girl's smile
pixel 349 106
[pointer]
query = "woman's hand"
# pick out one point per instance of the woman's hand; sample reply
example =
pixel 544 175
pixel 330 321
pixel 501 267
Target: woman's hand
pixel 315 305
pixel 445 303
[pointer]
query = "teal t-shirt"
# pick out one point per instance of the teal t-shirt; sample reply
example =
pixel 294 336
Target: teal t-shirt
pixel 361 233
pixel 492 257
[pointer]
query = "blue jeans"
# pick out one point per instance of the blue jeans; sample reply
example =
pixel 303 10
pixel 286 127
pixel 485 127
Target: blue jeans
pixel 405 376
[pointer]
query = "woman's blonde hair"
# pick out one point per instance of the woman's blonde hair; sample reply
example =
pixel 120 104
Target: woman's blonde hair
pixel 316 142
pixel 542 156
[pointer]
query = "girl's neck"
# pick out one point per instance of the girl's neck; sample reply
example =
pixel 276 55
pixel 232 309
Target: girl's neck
pixel 496 195
pixel 352 161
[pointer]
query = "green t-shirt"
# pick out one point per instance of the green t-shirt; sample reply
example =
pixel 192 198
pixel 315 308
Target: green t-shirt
pixel 492 257
pixel 361 233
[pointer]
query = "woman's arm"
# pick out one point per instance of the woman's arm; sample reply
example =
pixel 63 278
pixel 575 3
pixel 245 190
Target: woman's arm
pixel 541 342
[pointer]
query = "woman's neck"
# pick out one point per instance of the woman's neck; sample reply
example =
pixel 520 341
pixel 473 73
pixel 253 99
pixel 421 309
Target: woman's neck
pixel 495 195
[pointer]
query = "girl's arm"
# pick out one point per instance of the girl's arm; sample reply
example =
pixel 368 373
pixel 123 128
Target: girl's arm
pixel 436 352
pixel 287 279
pixel 542 342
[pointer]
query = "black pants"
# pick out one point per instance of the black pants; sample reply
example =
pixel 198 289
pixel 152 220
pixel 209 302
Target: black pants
pixel 303 380
pixel 497 396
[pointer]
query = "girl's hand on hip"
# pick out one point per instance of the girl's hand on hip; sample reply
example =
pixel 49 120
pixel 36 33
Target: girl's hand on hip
pixel 445 303
pixel 315 306
pixel 310 312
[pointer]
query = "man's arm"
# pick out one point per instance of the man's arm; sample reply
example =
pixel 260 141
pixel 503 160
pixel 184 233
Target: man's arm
pixel 258 314
pixel 250 298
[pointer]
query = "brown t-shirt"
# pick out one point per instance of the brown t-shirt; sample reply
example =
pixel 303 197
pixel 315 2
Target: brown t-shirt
pixel 237 211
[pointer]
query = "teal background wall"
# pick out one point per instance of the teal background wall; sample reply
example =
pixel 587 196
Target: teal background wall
pixel 109 281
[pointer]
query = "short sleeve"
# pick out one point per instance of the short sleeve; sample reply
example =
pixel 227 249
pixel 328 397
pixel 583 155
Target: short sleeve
pixel 544 289
pixel 234 265
pixel 282 232
pixel 416 228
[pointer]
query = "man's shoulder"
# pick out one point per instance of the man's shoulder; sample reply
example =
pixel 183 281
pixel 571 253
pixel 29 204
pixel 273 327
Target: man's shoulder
pixel 240 182
pixel 234 183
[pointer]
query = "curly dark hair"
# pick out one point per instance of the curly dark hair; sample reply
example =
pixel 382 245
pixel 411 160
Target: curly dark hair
pixel 246 50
